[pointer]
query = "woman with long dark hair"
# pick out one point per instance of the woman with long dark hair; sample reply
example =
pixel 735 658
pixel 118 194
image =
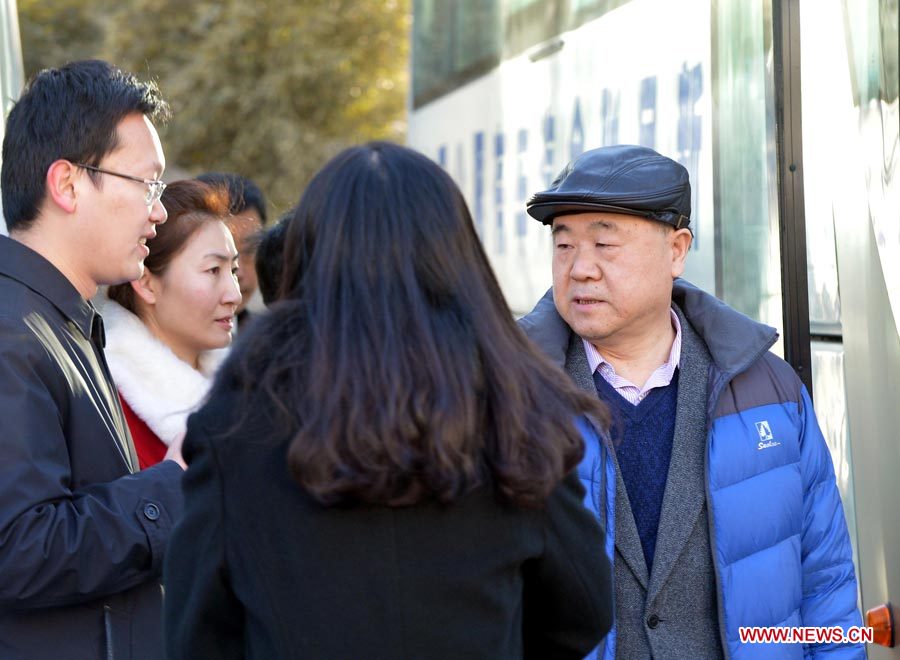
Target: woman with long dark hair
pixel 384 467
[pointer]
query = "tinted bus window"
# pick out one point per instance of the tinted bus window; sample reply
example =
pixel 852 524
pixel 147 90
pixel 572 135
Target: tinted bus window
pixel 530 22
pixel 453 42
pixel 585 10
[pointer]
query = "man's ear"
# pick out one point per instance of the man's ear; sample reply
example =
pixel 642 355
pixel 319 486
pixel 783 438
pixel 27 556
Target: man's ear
pixel 680 240
pixel 146 287
pixel 61 185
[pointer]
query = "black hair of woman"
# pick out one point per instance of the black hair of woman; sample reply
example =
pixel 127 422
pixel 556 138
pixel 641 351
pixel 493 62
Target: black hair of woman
pixel 397 366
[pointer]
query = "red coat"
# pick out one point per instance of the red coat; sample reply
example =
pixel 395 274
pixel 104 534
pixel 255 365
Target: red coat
pixel 150 449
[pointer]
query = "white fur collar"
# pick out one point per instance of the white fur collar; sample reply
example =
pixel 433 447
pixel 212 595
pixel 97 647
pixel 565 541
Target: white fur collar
pixel 161 388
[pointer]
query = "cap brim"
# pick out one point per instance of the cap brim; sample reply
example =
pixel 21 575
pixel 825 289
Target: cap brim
pixel 546 211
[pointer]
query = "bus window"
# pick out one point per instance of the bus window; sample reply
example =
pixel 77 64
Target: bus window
pixel 453 42
pixel 586 10
pixel 530 22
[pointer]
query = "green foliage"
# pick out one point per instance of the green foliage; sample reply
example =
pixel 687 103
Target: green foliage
pixel 269 89
pixel 59 31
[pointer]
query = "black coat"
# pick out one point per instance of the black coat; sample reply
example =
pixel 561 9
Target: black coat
pixel 81 538
pixel 258 569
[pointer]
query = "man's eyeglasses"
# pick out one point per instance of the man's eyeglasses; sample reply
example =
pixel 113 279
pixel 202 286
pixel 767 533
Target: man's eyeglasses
pixel 155 187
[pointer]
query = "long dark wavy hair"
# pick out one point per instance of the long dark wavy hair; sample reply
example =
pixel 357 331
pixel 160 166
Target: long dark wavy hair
pixel 393 359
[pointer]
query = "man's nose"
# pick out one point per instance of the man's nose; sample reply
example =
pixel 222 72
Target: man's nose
pixel 158 213
pixel 585 266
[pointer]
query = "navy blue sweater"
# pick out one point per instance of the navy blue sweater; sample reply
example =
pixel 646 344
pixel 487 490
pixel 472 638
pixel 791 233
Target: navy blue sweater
pixel 642 436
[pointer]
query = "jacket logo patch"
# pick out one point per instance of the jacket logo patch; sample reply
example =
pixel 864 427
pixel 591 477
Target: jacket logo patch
pixel 766 437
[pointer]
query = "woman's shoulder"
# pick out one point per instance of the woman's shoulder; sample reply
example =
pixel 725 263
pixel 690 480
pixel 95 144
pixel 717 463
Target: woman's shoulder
pixel 235 416
pixel 243 382
pixel 224 408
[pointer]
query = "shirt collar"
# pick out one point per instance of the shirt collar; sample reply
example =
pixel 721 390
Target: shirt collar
pixel 21 263
pixel 595 360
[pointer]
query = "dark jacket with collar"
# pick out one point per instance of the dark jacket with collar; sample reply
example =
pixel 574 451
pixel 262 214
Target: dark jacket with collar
pixel 260 569
pixel 82 534
pixel 760 517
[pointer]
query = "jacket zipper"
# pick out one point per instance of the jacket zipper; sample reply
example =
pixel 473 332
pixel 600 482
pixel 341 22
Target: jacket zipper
pixel 711 521
pixel 723 633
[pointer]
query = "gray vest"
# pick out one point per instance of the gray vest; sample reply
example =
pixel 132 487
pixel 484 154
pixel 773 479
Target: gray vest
pixel 670 611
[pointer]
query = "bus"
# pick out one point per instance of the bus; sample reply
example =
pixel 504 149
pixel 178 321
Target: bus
pixel 784 112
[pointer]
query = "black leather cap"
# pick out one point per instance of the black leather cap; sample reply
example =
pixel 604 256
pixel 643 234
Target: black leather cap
pixel 621 179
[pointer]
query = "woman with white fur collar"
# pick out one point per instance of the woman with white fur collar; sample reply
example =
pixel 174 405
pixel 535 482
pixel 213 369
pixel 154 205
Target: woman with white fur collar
pixel 167 330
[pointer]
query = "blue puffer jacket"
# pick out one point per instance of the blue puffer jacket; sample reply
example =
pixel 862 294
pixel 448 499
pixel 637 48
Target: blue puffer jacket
pixel 780 544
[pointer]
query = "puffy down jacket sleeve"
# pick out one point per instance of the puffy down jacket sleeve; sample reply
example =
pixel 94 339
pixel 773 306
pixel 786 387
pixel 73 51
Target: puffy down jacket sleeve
pixel 829 583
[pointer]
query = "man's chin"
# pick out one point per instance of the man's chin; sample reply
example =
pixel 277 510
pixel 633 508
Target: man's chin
pixel 592 332
pixel 127 275
pixel 137 272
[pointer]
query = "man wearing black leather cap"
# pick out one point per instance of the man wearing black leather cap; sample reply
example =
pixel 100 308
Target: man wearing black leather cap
pixel 719 489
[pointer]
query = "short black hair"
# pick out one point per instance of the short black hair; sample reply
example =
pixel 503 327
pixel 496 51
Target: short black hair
pixel 71 112
pixel 269 258
pixel 243 192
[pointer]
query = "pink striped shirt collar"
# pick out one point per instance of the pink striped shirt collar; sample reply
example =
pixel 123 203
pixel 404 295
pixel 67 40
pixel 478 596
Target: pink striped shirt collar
pixel 659 378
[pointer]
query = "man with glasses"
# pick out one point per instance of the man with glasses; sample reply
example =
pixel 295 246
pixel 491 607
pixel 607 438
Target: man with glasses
pixel 83 534
pixel 155 187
